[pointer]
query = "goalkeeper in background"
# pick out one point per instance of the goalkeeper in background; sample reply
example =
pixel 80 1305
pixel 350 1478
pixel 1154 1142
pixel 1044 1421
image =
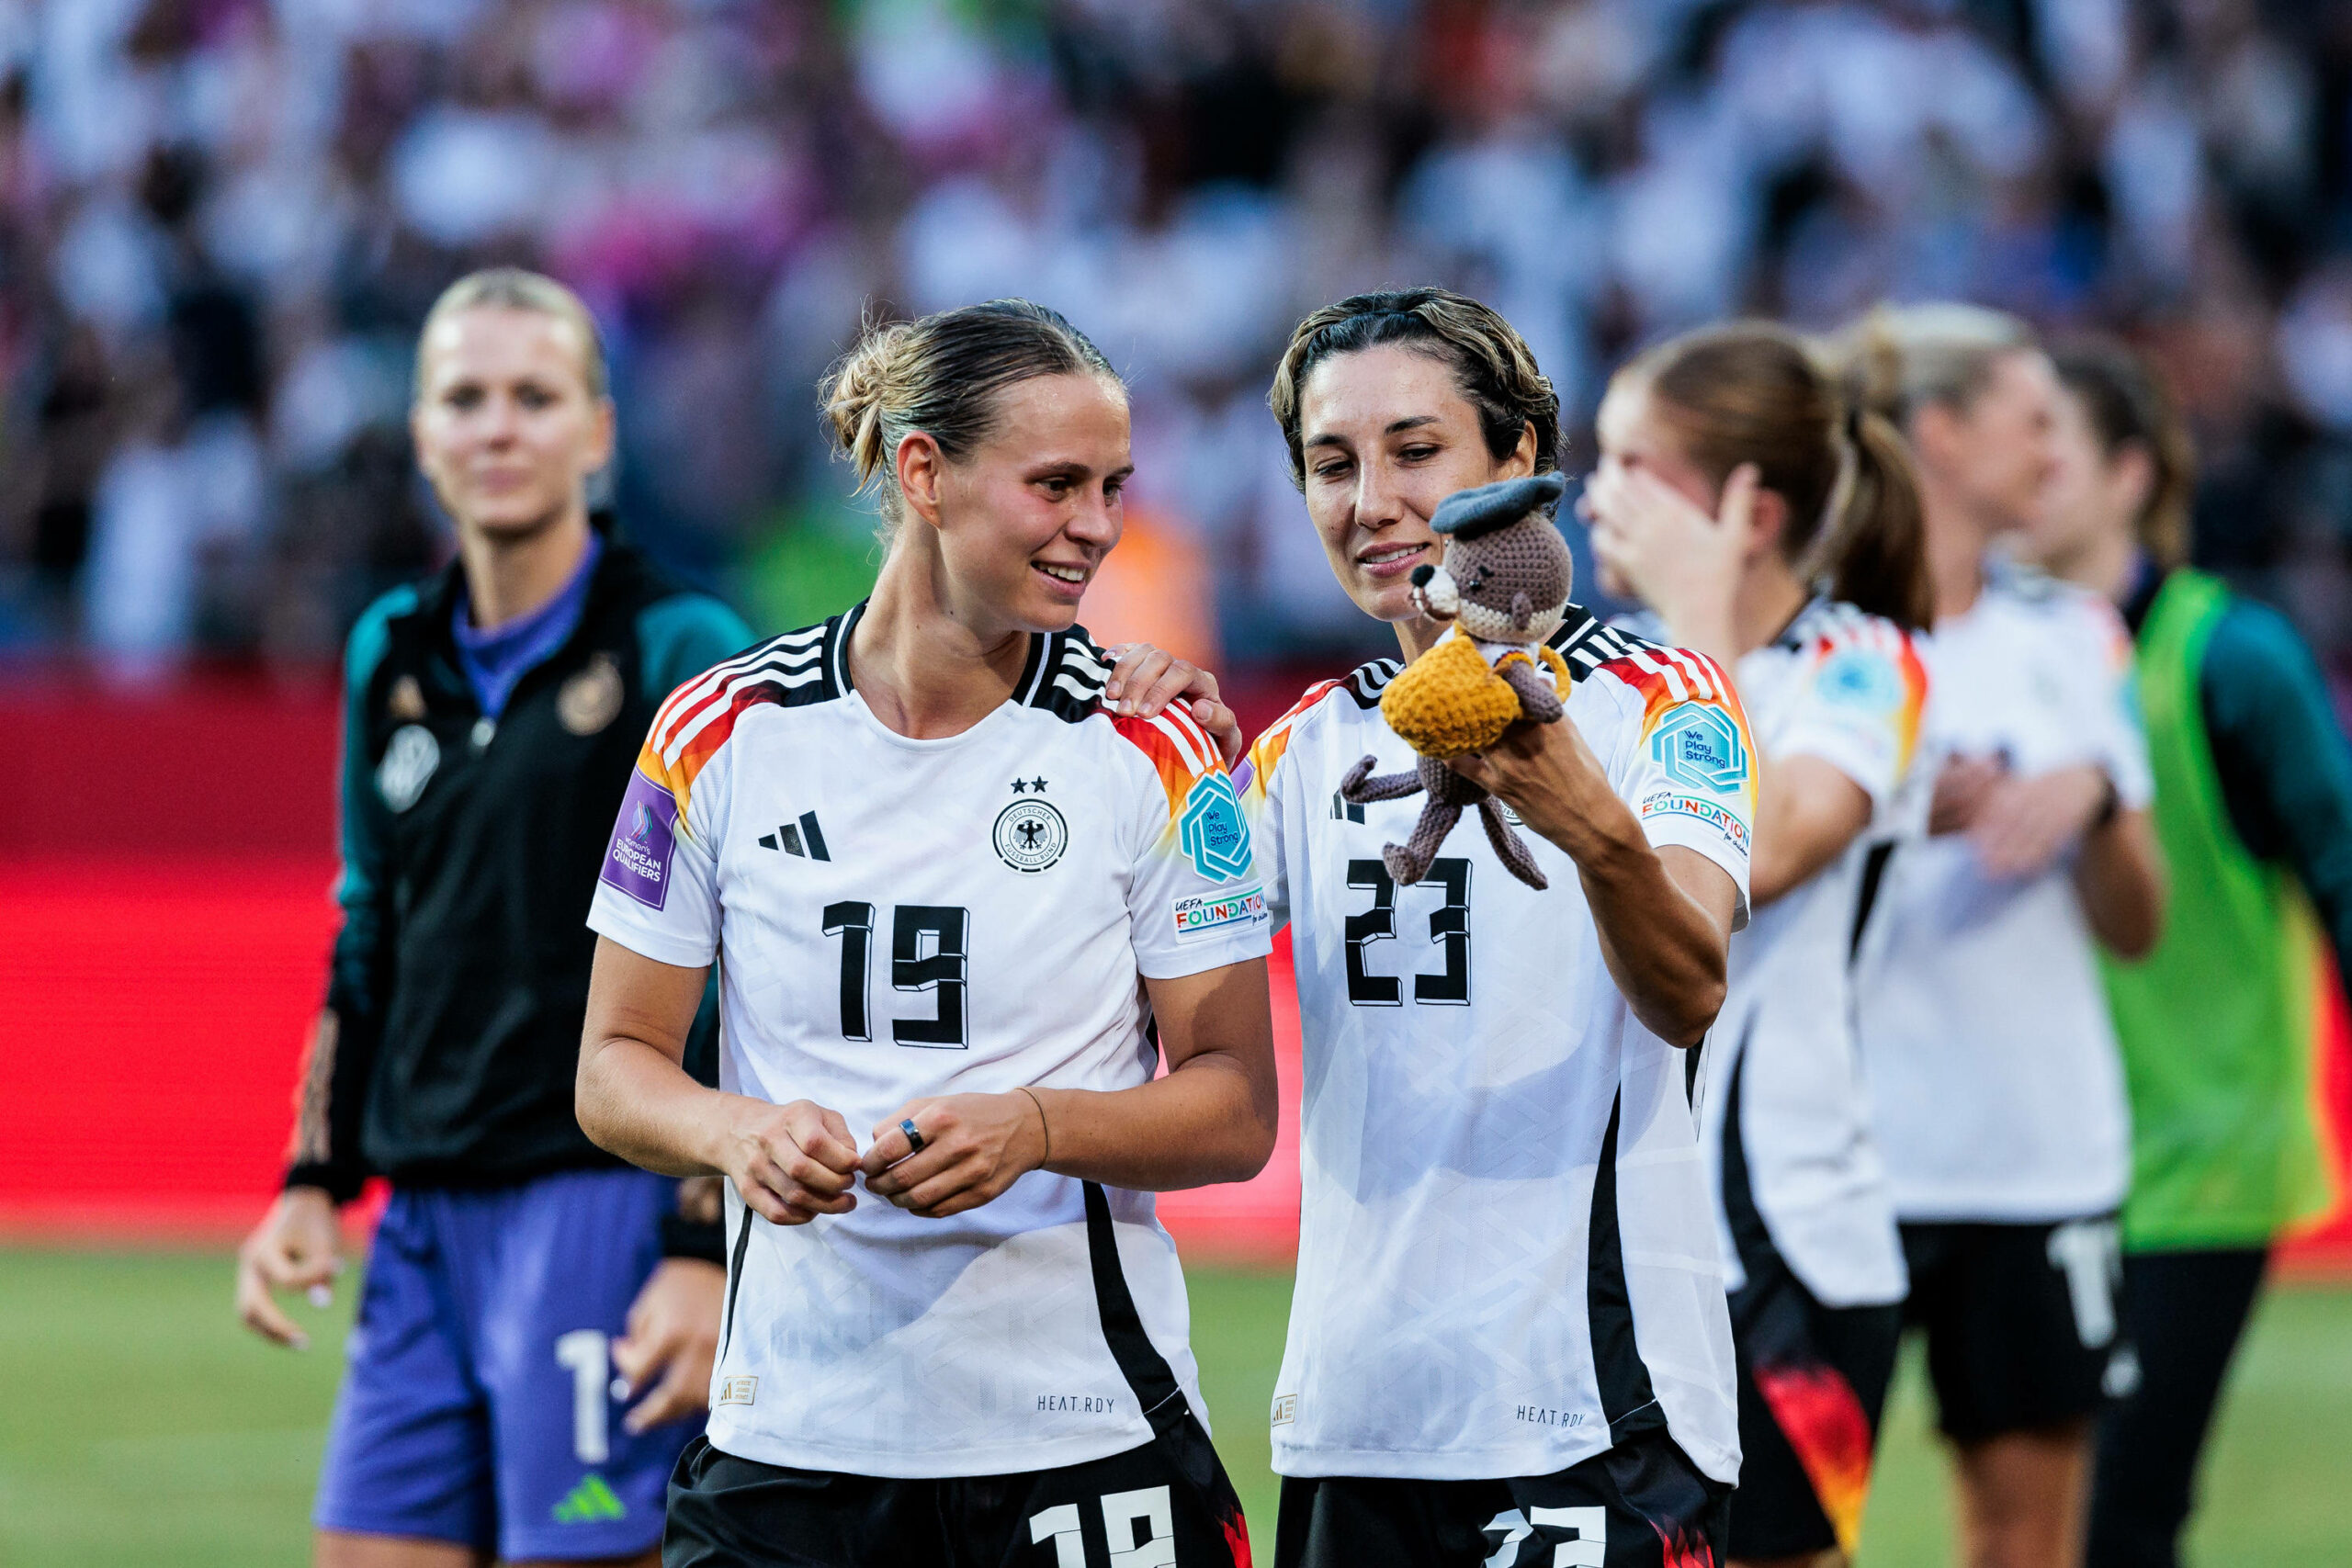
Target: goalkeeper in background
pixel 526 1290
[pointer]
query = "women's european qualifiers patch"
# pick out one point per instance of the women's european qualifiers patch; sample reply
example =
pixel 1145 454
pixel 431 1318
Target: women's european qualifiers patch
pixel 639 861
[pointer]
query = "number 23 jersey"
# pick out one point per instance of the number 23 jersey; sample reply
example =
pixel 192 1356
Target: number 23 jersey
pixel 896 918
pixel 1507 1253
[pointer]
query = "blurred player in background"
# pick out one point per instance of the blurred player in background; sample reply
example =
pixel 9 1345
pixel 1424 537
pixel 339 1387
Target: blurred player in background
pixel 2217 1026
pixel 493 713
pixel 1993 1078
pixel 1508 1341
pixel 1774 526
pixel 960 908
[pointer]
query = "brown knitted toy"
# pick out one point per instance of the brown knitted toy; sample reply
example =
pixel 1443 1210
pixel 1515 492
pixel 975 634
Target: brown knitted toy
pixel 1504 582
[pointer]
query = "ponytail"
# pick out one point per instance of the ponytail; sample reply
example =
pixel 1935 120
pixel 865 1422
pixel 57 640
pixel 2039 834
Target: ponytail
pixel 1874 553
pixel 1749 392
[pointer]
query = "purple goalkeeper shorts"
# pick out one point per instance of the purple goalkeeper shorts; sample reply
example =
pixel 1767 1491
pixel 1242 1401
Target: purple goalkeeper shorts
pixel 478 1406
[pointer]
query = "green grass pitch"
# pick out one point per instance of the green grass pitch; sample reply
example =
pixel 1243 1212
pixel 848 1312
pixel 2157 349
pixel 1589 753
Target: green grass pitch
pixel 139 1425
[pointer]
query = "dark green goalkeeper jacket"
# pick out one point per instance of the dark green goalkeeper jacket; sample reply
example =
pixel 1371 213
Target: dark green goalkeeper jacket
pixel 458 984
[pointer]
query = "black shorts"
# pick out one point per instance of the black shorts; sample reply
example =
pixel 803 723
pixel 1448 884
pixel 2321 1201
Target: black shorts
pixel 727 1512
pixel 1166 1502
pixel 1813 1383
pixel 1641 1504
pixel 2022 1320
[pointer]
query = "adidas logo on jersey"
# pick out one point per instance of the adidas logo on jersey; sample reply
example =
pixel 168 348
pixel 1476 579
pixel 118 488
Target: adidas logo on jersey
pixel 804 839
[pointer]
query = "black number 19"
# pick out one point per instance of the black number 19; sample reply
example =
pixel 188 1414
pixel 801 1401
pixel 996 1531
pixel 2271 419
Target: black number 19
pixel 930 947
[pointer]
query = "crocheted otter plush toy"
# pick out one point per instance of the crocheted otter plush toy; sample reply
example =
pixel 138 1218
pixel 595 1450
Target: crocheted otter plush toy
pixel 1504 584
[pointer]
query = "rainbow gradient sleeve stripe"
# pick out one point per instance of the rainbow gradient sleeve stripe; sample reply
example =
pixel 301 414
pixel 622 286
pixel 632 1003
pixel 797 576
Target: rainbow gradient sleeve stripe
pixel 1914 676
pixel 1257 769
pixel 1696 755
pixel 1207 823
pixel 1875 664
pixel 687 732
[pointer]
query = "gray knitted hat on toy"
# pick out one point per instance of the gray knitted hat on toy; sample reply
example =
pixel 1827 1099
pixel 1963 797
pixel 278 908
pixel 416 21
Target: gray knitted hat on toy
pixel 1470 512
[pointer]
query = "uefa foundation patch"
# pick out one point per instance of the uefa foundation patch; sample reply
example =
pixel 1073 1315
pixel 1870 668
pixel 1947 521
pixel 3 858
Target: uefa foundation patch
pixel 1205 914
pixel 644 839
pixel 1714 815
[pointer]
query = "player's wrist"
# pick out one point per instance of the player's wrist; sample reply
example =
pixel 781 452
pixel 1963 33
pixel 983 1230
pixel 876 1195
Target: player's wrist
pixel 1038 1124
pixel 2107 804
pixel 1578 812
pixel 727 1137
pixel 304 1194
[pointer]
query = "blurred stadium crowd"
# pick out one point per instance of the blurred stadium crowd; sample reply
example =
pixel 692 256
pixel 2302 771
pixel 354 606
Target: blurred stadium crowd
pixel 225 220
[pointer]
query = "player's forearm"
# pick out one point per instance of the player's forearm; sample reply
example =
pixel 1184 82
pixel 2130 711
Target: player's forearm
pixel 1807 813
pixel 1209 1120
pixel 636 1102
pixel 1669 956
pixel 2120 878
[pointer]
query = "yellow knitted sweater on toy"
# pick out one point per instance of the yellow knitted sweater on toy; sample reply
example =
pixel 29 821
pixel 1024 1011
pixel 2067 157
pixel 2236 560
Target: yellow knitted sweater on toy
pixel 1450 701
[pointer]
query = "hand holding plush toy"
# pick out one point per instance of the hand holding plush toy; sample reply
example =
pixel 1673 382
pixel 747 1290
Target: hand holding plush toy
pixel 1504 582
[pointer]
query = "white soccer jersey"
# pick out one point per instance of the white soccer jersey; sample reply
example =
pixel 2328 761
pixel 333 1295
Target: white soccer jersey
pixel 896 917
pixel 1995 1083
pixel 1847 688
pixel 1506 1257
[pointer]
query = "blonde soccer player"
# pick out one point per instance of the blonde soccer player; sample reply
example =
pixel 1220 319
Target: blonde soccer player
pixel 961 913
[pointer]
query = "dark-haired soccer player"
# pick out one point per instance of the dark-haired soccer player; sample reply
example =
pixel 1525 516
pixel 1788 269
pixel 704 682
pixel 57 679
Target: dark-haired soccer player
pixel 1508 1341
pixel 2217 1026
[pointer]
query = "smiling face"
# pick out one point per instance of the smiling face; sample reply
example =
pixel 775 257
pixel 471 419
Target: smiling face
pixel 1024 520
pixel 505 427
pixel 1387 435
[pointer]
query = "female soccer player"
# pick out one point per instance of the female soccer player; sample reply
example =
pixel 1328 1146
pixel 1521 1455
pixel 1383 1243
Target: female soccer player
pixel 960 912
pixel 1995 1084
pixel 492 717
pixel 2253 808
pixel 1508 1341
pixel 1775 526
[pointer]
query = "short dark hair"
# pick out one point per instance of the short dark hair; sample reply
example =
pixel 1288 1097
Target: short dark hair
pixel 2129 406
pixel 1492 365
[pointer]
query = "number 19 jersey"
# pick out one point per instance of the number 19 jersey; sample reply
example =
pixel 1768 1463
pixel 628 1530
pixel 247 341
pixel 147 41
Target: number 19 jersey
pixel 1507 1253
pixel 895 918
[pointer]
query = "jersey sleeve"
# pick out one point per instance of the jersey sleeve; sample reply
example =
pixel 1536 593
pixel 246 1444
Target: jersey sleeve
pixel 657 892
pixel 1858 704
pixel 2286 771
pixel 1688 766
pixel 1264 781
pixel 682 636
pixel 2109 698
pixel 1196 898
pixel 340 1060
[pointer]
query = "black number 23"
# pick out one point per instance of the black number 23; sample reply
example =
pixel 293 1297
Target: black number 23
pixel 930 947
pixel 1448 930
